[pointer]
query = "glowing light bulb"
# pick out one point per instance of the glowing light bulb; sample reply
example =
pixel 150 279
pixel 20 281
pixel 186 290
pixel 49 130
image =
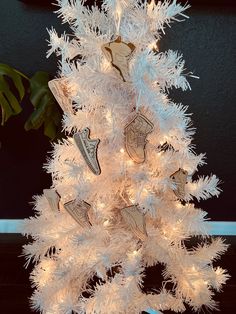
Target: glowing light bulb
pixel 153 46
pixel 131 200
pixel 106 223
pixel 70 139
pixel 118 11
pixel 179 205
pixel 106 63
pixel 109 117
pixel 122 150
pixel 150 7
pixel 130 162
pixel 117 14
pixel 101 205
pixel 73 88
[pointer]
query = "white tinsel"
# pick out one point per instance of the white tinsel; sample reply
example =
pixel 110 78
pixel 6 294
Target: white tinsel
pixel 69 257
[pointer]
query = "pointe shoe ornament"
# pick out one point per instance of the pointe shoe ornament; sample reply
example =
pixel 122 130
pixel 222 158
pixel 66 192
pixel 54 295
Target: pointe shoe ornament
pixel 53 199
pixel 88 149
pixel 59 90
pixel 78 209
pixel 135 137
pixel 179 178
pixel 135 220
pixel 119 54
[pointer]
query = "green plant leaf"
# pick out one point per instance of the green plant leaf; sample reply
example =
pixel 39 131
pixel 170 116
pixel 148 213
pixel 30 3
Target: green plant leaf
pixel 50 129
pixel 6 109
pixel 10 103
pixel 46 111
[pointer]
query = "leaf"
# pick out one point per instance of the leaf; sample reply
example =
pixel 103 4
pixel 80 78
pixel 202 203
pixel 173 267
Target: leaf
pixel 46 111
pixel 50 129
pixel 39 87
pixel 10 103
pixel 16 77
pixel 6 109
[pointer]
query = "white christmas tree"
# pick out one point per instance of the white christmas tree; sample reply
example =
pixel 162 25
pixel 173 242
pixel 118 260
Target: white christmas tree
pixel 121 198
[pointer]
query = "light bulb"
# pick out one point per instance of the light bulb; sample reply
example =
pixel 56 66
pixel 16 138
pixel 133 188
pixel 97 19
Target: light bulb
pixel 153 46
pixel 130 162
pixel 132 200
pixel 106 223
pixel 179 205
pixel 150 7
pixel 101 205
pixel 117 14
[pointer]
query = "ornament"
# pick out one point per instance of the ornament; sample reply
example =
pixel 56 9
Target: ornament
pixel 59 90
pixel 88 149
pixel 135 220
pixel 78 210
pixel 135 137
pixel 53 198
pixel 119 54
pixel 180 179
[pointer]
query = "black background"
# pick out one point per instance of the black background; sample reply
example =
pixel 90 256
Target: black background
pixel 207 41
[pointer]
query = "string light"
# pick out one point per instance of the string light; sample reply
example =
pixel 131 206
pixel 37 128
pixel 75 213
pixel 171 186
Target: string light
pixel 70 139
pixel 145 191
pixel 132 200
pixel 106 223
pixel 130 162
pixel 101 205
pixel 179 205
pixel 45 272
pixel 150 7
pixel 106 64
pixel 153 46
pixel 118 13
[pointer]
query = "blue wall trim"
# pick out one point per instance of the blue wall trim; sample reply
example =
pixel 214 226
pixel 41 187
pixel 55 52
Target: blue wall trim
pixel 223 228
pixel 10 225
pixel 150 311
pixel 217 227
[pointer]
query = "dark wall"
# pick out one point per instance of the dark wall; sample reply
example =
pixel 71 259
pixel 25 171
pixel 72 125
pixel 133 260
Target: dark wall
pixel 207 41
pixel 23 45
